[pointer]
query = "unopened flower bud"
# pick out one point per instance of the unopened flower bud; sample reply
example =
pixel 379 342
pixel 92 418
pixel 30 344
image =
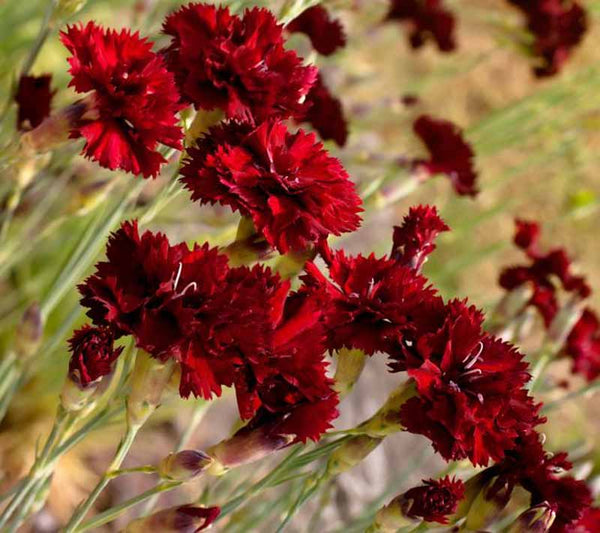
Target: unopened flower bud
pixel 55 129
pixel 149 379
pixel 68 8
pixel 246 446
pixel 391 518
pixel 29 332
pixel 350 364
pixel 488 504
pixel 537 519
pixel 351 453
pixel 183 466
pixel 180 519
pixel 74 398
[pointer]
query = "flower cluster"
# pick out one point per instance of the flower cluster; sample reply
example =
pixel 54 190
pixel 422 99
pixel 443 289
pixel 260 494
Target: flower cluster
pixel 449 153
pixel 425 19
pixel 558 26
pixel 542 273
pixel 134 98
pixel 225 327
pixel 294 192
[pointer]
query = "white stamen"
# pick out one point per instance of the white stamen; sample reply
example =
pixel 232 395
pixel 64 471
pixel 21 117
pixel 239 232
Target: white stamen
pixel 474 358
pixel 192 284
pixel 178 276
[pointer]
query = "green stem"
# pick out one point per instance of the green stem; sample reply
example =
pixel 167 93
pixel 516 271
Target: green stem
pixel 43 34
pixel 311 486
pixel 590 387
pixel 114 512
pixel 121 453
pixel 197 416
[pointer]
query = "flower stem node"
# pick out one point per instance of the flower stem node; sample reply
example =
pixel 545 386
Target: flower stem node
pixel 184 465
pixel 149 379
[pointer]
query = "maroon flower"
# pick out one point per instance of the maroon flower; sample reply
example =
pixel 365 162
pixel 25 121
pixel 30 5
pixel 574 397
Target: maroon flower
pixel 425 19
pixel 415 239
pixel 527 235
pixel 558 26
pixel 134 96
pixel 371 303
pixel 543 272
pixel 450 153
pixel 583 345
pixel 325 34
pixel 236 64
pixel 537 471
pixel 92 354
pixel 324 112
pixel 471 400
pixel 33 98
pixel 434 500
pixel 294 192
pixel 150 289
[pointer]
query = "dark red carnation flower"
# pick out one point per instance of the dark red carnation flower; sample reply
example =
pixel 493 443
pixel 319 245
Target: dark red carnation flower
pixel 588 523
pixel 325 34
pixel 537 471
pixel 450 153
pixel 583 345
pixel 425 19
pixel 134 96
pixel 543 272
pixel 150 289
pixel 239 65
pixel 558 26
pixel 471 400
pixel 92 354
pixel 294 192
pixel 34 99
pixel 371 303
pixel 434 500
pixel 415 239
pixel 179 519
pixel 324 112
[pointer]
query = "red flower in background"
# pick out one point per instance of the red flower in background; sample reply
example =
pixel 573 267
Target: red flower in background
pixel 434 500
pixel 450 153
pixel 34 99
pixel 235 64
pixel 588 523
pixel 538 472
pixel 135 98
pixel 178 519
pixel 471 400
pixel 324 112
pixel 326 34
pixel 425 19
pixel 371 303
pixel 583 345
pixel 92 354
pixel 558 26
pixel 294 192
pixel 415 239
pixel 542 272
